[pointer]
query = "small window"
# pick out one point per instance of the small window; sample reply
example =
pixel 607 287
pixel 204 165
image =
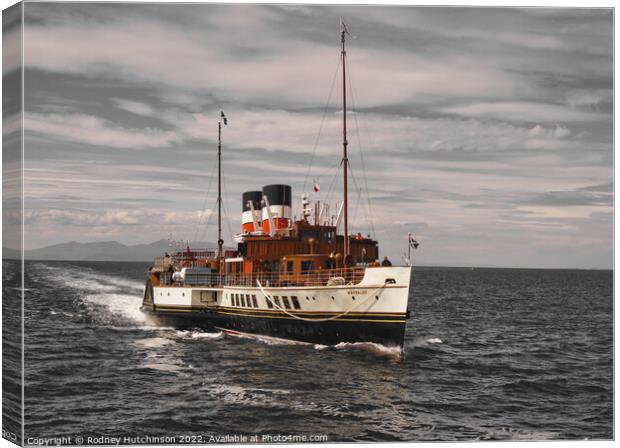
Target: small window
pixel 254 301
pixel 247 299
pixel 242 301
pixel 183 294
pixel 287 305
pixel 296 304
pixel 276 299
pixel 168 293
pixel 306 265
pixel 289 266
pixel 353 297
pixel 376 297
pixel 307 298
pixel 333 298
pixel 269 303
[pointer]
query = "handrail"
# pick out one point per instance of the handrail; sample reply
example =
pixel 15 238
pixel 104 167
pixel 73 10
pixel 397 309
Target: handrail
pixel 314 277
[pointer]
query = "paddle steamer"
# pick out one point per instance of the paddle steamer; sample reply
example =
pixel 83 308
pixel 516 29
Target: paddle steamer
pixel 300 279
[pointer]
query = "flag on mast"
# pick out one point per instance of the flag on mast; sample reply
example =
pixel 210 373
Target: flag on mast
pixel 413 243
pixel 316 186
pixel 343 27
pixel 224 117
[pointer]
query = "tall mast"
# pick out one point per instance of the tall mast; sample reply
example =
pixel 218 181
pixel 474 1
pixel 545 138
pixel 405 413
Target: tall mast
pixel 220 241
pixel 345 160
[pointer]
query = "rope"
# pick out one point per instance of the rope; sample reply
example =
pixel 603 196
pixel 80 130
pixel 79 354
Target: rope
pixel 320 319
pixel 205 229
pixel 359 142
pixel 316 141
pixel 198 226
pixel 226 217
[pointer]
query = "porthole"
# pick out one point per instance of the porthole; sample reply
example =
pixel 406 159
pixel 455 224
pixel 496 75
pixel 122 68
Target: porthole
pixel 333 298
pixel 376 297
pixel 353 297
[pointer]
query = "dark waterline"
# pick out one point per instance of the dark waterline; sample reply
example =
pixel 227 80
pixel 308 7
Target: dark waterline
pixel 489 354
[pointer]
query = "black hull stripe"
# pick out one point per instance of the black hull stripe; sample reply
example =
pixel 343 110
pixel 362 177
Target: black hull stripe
pixel 330 332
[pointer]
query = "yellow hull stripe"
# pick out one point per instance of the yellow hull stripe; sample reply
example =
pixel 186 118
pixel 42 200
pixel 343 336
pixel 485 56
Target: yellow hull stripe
pixel 271 311
pixel 340 319
pixel 272 316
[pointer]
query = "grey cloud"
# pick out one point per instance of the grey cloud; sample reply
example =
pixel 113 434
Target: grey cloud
pixel 427 176
pixel 570 198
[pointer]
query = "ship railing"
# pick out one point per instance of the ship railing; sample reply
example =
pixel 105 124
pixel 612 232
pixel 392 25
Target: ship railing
pixel 321 277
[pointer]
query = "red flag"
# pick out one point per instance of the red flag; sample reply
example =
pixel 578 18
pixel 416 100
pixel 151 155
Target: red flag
pixel 316 187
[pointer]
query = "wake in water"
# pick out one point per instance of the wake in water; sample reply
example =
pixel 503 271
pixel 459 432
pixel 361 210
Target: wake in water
pixel 197 335
pixel 426 342
pixel 108 299
pixel 393 353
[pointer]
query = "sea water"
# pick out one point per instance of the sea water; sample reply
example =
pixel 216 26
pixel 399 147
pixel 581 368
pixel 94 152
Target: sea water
pixel 489 354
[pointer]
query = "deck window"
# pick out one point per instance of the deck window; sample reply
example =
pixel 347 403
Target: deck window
pixel 242 301
pixel 269 303
pixel 254 301
pixel 247 299
pixel 276 299
pixel 287 305
pixel 289 266
pixel 306 265
pixel 296 304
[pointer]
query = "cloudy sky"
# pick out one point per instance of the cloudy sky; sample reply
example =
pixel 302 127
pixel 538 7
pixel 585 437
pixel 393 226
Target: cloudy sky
pixel 485 132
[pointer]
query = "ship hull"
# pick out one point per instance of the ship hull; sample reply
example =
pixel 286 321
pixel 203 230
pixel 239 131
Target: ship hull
pixel 333 332
pixel 374 310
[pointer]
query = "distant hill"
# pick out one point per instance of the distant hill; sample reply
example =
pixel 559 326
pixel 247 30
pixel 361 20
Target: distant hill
pixel 99 251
